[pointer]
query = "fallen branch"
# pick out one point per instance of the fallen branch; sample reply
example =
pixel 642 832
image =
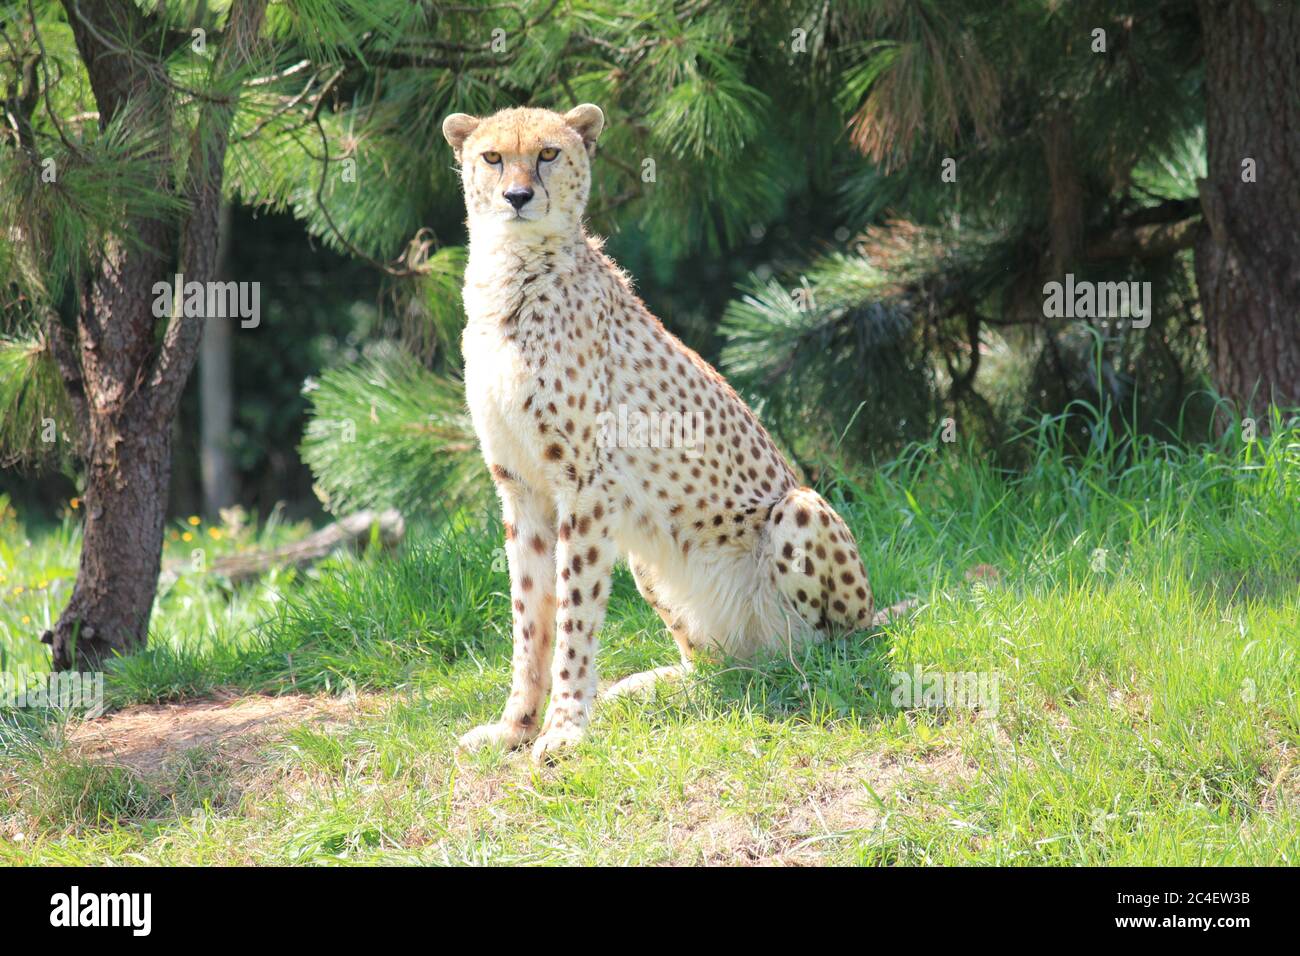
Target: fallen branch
pixel 350 532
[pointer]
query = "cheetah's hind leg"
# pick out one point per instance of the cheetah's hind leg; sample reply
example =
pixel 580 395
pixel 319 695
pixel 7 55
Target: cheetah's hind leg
pixel 643 683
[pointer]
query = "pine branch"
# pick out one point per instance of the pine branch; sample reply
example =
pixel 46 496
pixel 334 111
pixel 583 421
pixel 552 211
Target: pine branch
pixel 31 398
pixel 386 432
pixel 396 272
pixel 472 56
pixel 49 107
pixel 22 97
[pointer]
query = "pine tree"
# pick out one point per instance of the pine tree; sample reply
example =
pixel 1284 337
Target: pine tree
pixel 111 169
pixel 1011 144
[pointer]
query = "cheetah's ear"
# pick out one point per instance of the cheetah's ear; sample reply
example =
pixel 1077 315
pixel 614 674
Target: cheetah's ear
pixel 457 128
pixel 587 121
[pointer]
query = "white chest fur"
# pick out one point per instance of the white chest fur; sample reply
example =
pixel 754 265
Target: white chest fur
pixel 514 332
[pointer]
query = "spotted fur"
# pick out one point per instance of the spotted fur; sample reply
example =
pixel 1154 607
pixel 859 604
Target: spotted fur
pixel 560 353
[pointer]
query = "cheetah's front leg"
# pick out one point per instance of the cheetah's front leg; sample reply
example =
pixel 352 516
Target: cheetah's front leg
pixel 585 555
pixel 530 553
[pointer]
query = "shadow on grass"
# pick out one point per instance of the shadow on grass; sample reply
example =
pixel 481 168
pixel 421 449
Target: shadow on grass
pixel 58 790
pixel 1224 584
pixel 843 679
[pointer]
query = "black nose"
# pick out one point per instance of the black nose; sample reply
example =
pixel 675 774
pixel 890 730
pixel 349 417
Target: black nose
pixel 518 195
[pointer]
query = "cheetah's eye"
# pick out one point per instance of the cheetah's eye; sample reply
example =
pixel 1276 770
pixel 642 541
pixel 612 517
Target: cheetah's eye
pixel 548 154
pixel 492 158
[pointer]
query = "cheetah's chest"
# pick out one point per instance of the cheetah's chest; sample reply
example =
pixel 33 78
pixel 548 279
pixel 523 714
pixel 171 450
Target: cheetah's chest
pixel 500 383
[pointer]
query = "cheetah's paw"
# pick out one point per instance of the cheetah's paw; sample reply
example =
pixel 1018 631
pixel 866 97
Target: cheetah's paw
pixel 554 742
pixel 507 734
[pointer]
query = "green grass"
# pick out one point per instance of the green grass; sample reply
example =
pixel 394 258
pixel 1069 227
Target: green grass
pixel 1144 628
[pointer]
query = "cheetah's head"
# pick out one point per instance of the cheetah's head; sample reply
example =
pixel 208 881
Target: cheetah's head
pixel 526 171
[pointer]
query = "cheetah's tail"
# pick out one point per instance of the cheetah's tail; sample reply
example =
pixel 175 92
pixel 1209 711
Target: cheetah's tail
pixel 887 614
pixel 816 563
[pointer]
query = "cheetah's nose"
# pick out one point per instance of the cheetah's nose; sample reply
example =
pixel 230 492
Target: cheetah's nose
pixel 518 195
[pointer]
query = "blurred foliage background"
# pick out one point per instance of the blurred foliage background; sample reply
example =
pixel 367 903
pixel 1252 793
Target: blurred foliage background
pixel 850 208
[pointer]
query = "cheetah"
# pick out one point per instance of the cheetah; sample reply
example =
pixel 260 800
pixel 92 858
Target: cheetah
pixel 566 376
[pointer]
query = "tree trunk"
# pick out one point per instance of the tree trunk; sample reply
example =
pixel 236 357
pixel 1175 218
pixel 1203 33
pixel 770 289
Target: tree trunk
pixel 1248 259
pixel 126 481
pixel 125 502
pixel 127 456
pixel 216 406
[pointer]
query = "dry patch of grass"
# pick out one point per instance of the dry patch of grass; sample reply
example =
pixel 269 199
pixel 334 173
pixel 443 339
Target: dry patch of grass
pixel 1281 783
pixel 146 737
